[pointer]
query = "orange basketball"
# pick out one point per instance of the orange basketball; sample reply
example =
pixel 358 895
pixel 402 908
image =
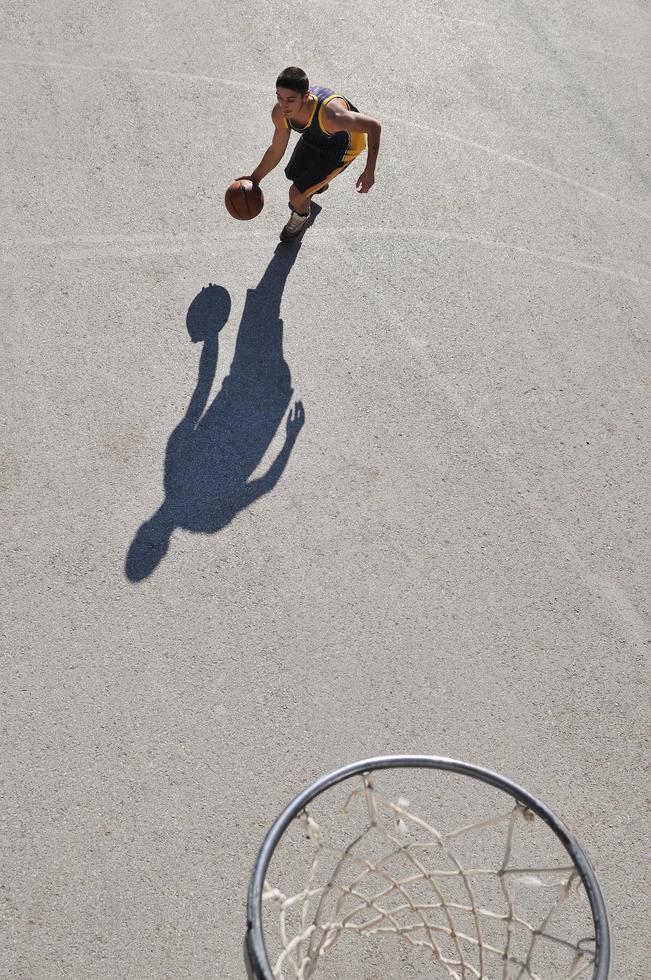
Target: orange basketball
pixel 244 199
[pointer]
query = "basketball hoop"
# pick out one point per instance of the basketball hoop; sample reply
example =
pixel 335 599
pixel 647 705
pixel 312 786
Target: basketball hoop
pixel 471 882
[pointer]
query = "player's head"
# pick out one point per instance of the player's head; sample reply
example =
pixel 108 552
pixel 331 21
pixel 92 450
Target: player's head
pixel 208 313
pixel 294 79
pixel 291 90
pixel 150 545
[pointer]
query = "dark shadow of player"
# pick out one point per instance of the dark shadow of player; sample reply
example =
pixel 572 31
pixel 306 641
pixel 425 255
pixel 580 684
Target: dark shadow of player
pixel 211 455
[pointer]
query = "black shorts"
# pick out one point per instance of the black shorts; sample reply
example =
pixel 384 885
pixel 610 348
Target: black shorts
pixel 308 170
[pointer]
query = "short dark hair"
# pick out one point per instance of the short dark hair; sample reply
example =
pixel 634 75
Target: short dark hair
pixel 294 79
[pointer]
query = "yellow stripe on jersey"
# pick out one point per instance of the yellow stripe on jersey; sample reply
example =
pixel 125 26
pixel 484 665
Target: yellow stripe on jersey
pixel 356 143
pixel 314 108
pixel 323 105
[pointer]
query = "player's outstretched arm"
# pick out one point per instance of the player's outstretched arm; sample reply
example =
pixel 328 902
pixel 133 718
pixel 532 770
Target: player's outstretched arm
pixel 207 369
pixel 338 119
pixel 274 154
pixel 256 488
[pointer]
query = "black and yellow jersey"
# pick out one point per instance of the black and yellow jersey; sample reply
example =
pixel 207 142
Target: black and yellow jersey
pixel 339 147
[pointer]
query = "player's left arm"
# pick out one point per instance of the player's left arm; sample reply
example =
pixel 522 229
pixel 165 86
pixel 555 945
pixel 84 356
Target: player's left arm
pixel 338 119
pixel 256 488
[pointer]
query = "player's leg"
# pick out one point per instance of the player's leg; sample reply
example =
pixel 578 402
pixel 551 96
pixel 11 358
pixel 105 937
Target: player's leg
pixel 300 164
pixel 294 226
pixel 299 202
pixel 309 173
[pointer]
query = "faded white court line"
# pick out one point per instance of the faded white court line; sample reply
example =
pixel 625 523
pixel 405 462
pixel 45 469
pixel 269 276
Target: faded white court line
pixel 600 52
pixel 492 243
pixel 465 20
pixel 128 67
pixel 611 595
pixel 91 246
pixel 520 162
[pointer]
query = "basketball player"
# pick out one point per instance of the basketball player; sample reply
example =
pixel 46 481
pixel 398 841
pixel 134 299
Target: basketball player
pixel 333 133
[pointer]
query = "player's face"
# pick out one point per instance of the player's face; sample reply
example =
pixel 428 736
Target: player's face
pixel 290 102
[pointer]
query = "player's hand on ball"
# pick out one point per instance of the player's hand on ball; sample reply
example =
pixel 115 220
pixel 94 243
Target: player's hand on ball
pixel 365 181
pixel 295 420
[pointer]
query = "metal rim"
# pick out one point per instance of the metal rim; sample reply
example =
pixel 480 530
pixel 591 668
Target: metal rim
pixel 258 960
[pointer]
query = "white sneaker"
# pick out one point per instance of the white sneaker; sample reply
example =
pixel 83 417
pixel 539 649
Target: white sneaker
pixel 294 226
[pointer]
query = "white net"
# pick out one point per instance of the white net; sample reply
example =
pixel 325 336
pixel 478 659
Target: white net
pixel 460 904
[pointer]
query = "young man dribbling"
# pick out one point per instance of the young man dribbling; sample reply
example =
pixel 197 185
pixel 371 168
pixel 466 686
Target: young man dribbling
pixel 333 133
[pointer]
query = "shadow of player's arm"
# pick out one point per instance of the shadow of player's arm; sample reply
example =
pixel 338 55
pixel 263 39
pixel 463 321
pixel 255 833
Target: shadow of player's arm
pixel 207 369
pixel 257 488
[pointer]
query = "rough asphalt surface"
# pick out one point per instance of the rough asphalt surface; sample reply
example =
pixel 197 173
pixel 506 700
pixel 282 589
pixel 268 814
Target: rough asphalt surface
pixel 207 603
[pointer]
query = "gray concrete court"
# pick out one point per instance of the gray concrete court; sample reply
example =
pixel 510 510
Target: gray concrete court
pixel 450 557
